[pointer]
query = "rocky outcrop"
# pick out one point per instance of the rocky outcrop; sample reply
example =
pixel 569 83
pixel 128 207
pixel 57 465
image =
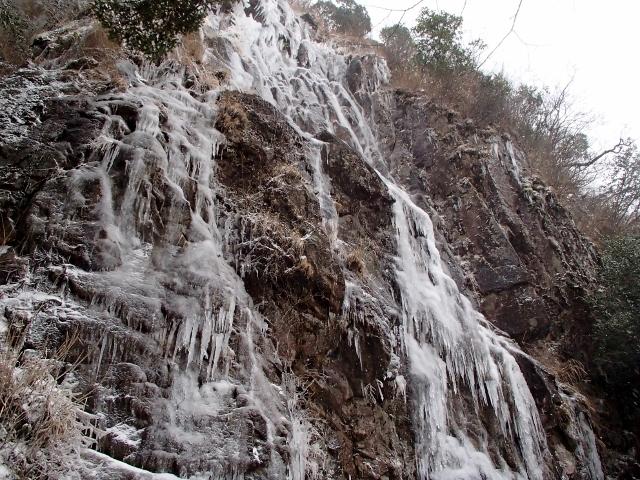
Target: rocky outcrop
pixel 58 208
pixel 523 258
pixel 508 243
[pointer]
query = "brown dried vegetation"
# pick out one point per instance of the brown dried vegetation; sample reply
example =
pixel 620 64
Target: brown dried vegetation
pixel 40 426
pixel 232 120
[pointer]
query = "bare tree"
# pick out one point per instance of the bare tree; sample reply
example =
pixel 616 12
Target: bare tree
pixel 621 195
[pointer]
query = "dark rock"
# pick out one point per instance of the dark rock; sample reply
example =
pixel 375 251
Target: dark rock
pixel 12 268
pixel 500 238
pixel 355 75
pixel 81 63
pixel 303 56
pixel 309 19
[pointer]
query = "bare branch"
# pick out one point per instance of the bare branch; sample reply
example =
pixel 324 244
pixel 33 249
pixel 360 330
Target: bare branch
pixel 616 149
pixel 511 30
pixel 404 12
pixel 464 6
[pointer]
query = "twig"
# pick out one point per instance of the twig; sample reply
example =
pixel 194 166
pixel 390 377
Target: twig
pixel 511 30
pixel 464 6
pixel 404 10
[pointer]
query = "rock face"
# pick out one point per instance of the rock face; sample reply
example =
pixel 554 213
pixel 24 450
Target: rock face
pixel 289 267
pixel 61 220
pixel 231 264
pixel 521 255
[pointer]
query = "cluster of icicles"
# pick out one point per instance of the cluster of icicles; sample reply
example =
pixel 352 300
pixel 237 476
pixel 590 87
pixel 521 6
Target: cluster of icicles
pixel 448 346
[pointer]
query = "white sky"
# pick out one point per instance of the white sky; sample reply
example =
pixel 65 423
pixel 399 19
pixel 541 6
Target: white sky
pixel 594 42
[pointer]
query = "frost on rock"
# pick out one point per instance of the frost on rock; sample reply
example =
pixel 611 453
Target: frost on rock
pixel 155 298
pixel 450 348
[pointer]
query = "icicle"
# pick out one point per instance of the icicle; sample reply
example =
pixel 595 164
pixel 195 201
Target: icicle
pixel 581 432
pixel 105 337
pixel 445 339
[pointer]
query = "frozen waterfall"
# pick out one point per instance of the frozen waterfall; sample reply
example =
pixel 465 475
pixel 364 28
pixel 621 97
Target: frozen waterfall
pixel 450 348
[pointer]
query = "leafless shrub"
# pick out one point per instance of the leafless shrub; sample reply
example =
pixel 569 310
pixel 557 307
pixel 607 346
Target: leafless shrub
pixel 268 248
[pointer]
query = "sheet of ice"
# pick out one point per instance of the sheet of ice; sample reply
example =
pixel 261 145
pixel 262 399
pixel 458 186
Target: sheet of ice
pixel 586 451
pixel 6 473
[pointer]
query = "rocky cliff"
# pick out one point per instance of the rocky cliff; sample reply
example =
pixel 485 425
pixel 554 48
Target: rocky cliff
pixel 271 264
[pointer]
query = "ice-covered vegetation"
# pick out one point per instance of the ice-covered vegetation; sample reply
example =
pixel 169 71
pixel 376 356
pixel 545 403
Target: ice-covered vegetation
pixel 41 419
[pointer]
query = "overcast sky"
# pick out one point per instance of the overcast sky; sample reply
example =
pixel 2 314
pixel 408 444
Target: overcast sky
pixel 595 43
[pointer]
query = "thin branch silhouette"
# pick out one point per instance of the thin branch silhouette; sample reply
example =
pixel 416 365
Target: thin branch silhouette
pixel 511 30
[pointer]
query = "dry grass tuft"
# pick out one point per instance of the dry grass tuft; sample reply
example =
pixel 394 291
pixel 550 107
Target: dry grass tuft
pixel 355 261
pixel 192 47
pixel 572 372
pixel 33 407
pixel 97 40
pixel 290 172
pixel 269 248
pixel 191 53
pixel 97 45
pixel 304 265
pixel 40 427
pixel 232 120
pixel 38 418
